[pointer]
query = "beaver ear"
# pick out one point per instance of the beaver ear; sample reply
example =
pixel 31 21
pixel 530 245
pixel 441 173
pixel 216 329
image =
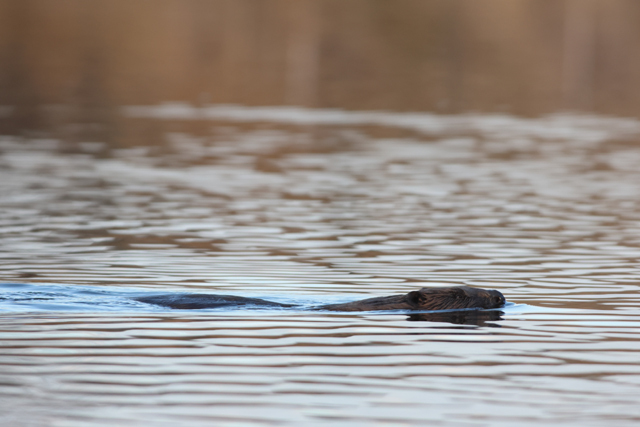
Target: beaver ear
pixel 416 297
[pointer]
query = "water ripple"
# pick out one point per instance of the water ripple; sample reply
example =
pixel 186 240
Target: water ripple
pixel 314 206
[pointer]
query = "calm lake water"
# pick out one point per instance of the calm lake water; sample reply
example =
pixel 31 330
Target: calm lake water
pixel 318 206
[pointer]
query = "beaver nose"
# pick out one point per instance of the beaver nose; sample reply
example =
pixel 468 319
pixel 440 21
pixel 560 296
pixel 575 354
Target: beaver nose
pixel 497 299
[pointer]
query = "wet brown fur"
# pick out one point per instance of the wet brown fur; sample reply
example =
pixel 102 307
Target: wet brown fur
pixel 449 298
pixel 428 299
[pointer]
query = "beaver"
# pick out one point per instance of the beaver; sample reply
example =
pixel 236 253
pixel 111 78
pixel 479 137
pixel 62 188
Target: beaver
pixel 428 299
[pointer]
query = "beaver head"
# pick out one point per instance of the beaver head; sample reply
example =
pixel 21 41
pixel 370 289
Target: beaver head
pixel 454 298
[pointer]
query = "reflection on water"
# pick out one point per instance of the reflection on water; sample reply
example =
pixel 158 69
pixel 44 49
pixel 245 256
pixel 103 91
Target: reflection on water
pixel 466 317
pixel 308 206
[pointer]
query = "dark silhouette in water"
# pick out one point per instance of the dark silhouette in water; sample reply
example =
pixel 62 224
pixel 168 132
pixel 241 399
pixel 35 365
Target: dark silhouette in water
pixel 462 317
pixel 449 298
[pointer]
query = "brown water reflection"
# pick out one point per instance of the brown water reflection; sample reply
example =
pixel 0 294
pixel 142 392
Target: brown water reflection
pixel 296 205
pixel 69 66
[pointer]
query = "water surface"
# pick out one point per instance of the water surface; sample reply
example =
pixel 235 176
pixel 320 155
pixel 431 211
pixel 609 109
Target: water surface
pixel 301 206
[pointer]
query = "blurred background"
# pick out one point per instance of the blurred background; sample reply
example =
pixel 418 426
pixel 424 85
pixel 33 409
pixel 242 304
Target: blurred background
pixel 68 65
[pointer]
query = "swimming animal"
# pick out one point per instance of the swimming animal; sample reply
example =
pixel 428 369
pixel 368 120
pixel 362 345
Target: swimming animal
pixel 443 298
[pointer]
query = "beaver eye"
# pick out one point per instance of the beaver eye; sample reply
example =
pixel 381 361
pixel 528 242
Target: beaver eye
pixel 498 300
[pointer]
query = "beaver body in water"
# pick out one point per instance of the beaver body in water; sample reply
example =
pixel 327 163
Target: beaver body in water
pixel 446 298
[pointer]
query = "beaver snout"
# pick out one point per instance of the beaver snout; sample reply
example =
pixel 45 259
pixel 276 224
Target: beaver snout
pixel 496 299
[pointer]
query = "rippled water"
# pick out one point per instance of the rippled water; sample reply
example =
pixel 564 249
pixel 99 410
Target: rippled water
pixel 311 206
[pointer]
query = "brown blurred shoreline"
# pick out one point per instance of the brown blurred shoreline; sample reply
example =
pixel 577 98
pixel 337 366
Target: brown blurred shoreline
pixel 522 57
